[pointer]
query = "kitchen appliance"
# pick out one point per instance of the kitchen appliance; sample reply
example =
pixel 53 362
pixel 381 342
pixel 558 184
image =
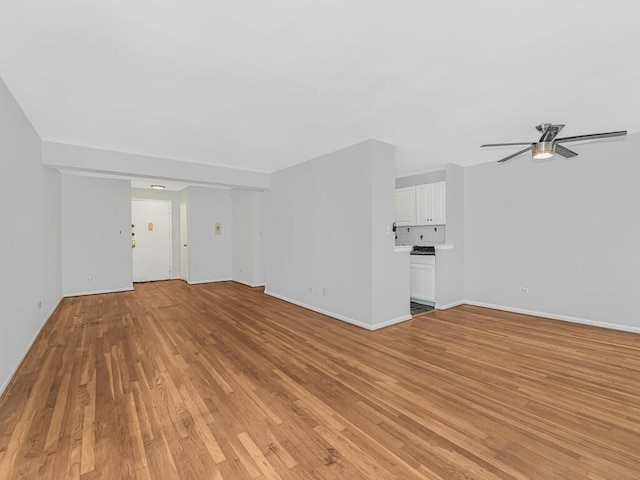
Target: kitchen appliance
pixel 422 268
pixel 418 250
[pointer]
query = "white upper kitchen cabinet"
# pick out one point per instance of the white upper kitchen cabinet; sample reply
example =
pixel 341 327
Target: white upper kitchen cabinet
pixel 406 206
pixel 421 205
pixel 430 204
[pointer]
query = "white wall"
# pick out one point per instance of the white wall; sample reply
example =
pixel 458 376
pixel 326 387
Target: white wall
pixel 210 255
pixel 566 229
pixel 29 237
pixel 174 198
pixel 242 224
pixel 450 262
pixel 258 244
pixel 96 235
pixel 322 228
pixel 390 270
pixel 248 258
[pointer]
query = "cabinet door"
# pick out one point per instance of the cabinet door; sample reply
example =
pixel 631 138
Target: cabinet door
pixel 423 282
pixel 439 210
pixel 424 204
pixel 406 206
pixel 431 206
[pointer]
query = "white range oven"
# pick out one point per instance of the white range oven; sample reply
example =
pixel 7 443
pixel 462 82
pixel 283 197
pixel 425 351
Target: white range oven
pixel 422 265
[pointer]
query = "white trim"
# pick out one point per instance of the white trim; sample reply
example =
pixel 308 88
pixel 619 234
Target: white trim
pixel 393 321
pixel 98 292
pixel 209 281
pixel 553 316
pixel 252 285
pixel 14 370
pixel 322 311
pixel 337 316
pixel 449 305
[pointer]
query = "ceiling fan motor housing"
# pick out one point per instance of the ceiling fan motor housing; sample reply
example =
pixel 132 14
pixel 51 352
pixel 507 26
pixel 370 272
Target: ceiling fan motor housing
pixel 543 149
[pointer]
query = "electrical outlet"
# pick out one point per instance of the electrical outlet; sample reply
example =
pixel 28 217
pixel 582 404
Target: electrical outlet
pixel 39 304
pixel 90 278
pixel 310 290
pixel 324 291
pixel 524 290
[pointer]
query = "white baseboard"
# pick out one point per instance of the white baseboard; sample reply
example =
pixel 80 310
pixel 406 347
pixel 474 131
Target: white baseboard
pixel 98 292
pixel 24 354
pixel 553 316
pixel 337 316
pixel 252 285
pixel 393 321
pixel 449 305
pixel 321 310
pixel 209 281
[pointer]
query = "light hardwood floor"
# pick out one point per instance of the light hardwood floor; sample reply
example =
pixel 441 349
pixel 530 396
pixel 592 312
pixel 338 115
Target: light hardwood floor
pixel 220 381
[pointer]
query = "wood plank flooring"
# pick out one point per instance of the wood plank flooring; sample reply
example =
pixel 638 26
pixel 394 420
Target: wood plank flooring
pixel 219 381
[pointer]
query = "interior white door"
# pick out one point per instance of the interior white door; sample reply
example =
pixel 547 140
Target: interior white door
pixel 151 221
pixel 184 243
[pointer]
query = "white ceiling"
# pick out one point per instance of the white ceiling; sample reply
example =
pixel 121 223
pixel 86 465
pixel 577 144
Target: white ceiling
pixel 262 85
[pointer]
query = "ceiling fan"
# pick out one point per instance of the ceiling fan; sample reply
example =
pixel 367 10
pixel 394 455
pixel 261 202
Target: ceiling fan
pixel 548 144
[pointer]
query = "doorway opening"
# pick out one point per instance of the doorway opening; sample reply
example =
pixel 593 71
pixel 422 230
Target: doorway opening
pixel 184 242
pixel 151 240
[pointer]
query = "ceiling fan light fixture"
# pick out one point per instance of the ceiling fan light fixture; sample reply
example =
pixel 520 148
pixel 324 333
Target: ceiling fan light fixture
pixel 549 145
pixel 543 150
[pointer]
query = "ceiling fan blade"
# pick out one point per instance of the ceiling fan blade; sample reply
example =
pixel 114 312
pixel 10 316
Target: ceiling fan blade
pixel 620 133
pixel 551 132
pixel 504 144
pixel 513 155
pixel 565 152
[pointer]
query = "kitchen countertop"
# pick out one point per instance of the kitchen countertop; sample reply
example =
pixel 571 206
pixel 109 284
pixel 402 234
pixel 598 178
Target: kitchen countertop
pixel 409 248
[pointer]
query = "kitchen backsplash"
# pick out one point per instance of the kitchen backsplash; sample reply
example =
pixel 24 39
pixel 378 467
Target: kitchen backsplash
pixel 426 235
